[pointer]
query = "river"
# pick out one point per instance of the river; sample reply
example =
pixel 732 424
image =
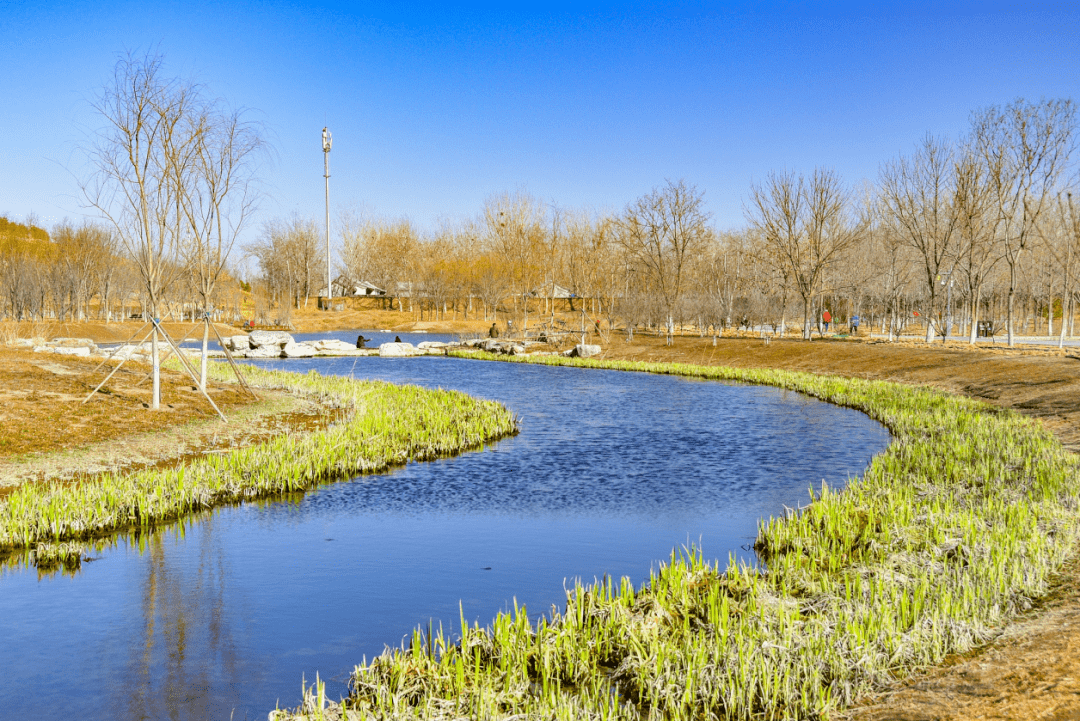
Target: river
pixel 221 615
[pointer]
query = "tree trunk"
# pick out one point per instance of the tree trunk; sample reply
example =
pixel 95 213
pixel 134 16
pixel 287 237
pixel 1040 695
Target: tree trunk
pixel 807 327
pixel 1009 310
pixel 202 368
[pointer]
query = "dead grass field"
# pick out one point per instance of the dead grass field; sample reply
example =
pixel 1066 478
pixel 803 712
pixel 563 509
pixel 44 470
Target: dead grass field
pixel 47 432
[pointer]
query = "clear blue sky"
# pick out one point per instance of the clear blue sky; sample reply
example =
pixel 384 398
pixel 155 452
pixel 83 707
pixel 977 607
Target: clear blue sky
pixel 434 108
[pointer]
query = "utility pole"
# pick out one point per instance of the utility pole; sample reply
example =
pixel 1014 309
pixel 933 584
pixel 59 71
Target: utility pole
pixel 327 141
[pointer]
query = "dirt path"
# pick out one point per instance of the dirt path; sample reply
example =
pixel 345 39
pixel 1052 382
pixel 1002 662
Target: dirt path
pixel 1032 670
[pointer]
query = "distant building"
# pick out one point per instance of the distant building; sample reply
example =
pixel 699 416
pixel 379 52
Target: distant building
pixel 345 287
pixel 546 291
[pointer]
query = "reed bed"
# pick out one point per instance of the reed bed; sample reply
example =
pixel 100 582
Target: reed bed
pixel 381 425
pixel 949 533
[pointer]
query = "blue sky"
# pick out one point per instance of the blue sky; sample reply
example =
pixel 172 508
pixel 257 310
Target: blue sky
pixel 433 108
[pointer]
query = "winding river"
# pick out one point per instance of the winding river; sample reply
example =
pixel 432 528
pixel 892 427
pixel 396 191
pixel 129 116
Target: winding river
pixel 220 616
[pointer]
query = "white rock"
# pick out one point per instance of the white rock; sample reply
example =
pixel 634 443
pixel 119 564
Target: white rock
pixel 297 350
pixel 72 343
pixel 238 342
pixel 266 351
pixel 332 344
pixel 584 350
pixel 261 338
pixel 82 351
pixel 431 345
pixel 398 350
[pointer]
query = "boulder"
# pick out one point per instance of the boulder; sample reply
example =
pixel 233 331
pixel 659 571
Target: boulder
pixel 263 338
pixel 264 351
pixel 72 343
pixel 584 350
pixel 397 350
pixel 297 350
pixel 332 345
pixel 82 351
pixel 238 342
pixel 130 352
pixel 431 345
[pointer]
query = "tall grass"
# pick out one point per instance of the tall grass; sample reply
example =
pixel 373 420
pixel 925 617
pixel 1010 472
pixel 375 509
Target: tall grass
pixel 949 533
pixel 383 425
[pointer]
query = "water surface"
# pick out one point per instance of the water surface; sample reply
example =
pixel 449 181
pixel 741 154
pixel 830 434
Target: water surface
pixel 219 617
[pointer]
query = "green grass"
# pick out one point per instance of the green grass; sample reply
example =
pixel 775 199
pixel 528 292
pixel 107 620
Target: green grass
pixel 949 534
pixel 383 425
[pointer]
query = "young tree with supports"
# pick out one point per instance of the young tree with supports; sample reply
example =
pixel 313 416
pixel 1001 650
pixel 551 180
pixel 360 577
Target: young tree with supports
pixel 218 200
pixel 141 161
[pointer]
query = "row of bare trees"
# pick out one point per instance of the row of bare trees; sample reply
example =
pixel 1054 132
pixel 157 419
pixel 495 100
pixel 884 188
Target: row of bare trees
pixel 981 227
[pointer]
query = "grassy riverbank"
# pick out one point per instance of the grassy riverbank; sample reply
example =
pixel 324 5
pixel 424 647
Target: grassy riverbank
pixel 380 425
pixel 949 534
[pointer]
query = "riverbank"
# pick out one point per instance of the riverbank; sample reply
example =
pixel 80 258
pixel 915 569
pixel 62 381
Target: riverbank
pixel 373 426
pixel 948 535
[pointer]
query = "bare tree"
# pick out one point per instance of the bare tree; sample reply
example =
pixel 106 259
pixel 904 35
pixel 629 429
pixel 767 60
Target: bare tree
pixel 515 226
pixel 383 252
pixel 141 160
pixel 217 199
pixel 1066 251
pixel 918 201
pixel 664 232
pixel 1025 147
pixel 290 259
pixel 805 222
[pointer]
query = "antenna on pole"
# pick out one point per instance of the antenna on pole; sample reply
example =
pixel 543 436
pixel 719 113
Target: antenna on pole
pixel 327 141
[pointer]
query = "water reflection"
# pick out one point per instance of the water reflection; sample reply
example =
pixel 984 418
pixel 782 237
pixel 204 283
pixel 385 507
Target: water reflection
pixel 222 614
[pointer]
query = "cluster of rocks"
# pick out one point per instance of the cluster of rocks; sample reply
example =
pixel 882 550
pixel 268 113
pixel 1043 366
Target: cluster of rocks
pixel 83 347
pixel 279 344
pixel 524 347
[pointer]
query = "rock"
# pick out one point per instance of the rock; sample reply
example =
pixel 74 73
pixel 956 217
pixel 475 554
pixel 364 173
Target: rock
pixel 238 343
pixel 332 345
pixel 82 351
pixel 265 351
pixel 72 343
pixel 397 350
pixel 431 345
pixel 297 350
pixel 130 352
pixel 262 338
pixel 584 350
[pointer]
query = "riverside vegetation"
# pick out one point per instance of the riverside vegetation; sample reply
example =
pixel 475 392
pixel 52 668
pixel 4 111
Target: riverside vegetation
pixel 949 534
pixel 379 425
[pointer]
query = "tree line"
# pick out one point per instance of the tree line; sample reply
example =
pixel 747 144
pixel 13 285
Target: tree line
pixel 955 235
pixel 981 231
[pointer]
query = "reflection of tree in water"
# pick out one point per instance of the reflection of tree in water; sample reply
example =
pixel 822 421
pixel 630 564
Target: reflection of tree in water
pixel 186 646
